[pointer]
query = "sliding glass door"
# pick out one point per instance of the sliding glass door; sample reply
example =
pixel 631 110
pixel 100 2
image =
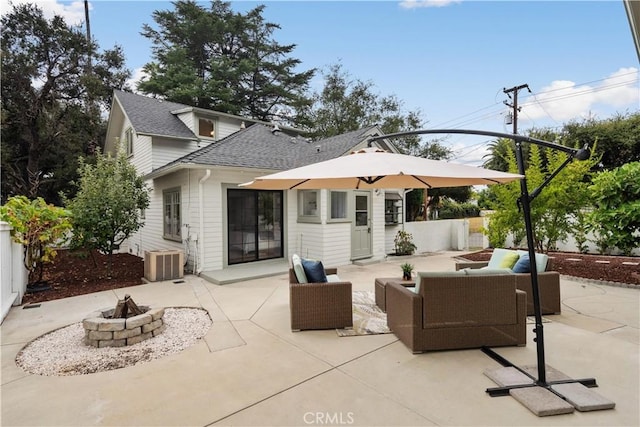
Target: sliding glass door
pixel 254 231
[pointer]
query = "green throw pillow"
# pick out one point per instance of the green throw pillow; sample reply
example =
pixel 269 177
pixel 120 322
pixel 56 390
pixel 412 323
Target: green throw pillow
pixel 509 260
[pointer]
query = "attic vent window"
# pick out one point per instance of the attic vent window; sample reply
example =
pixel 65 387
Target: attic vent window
pixel 206 128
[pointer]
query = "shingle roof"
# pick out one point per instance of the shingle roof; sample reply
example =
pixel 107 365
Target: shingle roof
pixel 153 116
pixel 259 147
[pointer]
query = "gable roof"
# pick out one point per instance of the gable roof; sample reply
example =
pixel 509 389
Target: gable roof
pixel 259 147
pixel 152 116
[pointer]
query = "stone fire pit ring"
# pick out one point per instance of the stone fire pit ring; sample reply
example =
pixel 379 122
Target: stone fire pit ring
pixel 103 331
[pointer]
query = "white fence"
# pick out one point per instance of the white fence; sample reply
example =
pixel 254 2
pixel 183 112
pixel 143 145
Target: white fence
pixel 453 234
pixel 13 274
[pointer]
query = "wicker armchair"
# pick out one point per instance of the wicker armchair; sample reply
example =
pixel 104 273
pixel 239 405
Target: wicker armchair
pixel 320 305
pixel 456 312
pixel 548 286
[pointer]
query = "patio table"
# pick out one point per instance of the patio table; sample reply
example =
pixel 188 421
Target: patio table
pixel 380 289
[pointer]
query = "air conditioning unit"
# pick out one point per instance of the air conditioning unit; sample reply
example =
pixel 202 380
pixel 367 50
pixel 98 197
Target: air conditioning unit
pixel 163 265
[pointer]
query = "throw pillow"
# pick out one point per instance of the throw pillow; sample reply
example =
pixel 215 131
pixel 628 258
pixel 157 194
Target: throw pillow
pixel 522 266
pixel 498 255
pixel 509 260
pixel 541 260
pixel 298 269
pixel 314 271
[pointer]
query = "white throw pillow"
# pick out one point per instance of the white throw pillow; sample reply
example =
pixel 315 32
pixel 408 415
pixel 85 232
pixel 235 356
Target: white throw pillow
pixel 298 269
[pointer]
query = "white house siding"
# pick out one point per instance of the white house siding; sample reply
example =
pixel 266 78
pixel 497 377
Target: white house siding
pixel 188 118
pixel 141 157
pixel 223 126
pixel 310 241
pixel 150 238
pixel 166 150
pixel 226 127
pixel 390 236
pixel 336 244
pixel 378 228
pixel 214 220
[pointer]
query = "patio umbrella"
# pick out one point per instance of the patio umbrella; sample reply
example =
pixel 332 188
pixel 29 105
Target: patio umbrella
pixel 370 168
pixel 374 168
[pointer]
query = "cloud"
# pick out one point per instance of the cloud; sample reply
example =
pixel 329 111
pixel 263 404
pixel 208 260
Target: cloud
pixel 73 13
pixel 563 100
pixel 138 75
pixel 414 4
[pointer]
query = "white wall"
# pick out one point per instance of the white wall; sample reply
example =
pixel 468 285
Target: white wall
pixel 13 274
pixel 439 235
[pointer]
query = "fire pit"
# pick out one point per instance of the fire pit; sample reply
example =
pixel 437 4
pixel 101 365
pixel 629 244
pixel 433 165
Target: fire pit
pixel 126 324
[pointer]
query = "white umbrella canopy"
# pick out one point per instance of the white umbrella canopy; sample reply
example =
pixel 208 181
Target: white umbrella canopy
pixel 374 168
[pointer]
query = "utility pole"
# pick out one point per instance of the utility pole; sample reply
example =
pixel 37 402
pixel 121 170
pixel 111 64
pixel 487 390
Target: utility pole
pixel 515 107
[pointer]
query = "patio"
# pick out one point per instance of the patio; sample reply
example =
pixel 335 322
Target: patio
pixel 252 370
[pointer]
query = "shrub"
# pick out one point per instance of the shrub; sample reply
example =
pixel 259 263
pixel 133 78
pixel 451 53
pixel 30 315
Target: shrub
pixel 39 227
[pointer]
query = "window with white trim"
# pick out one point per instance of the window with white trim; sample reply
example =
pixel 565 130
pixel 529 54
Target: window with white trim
pixel 206 128
pixel 308 203
pixel 128 141
pixel 338 205
pixel 172 229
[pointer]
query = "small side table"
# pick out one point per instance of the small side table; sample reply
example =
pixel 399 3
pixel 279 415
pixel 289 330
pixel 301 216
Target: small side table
pixel 380 289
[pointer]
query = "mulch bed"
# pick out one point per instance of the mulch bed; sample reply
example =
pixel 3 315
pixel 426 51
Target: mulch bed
pixel 607 268
pixel 74 273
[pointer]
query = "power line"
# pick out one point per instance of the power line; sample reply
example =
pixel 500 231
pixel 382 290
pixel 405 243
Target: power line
pixel 458 122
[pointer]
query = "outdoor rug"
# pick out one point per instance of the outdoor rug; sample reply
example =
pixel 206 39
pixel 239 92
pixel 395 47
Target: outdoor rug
pixel 368 319
pixel 531 320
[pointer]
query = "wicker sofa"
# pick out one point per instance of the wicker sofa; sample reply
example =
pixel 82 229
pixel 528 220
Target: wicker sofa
pixel 325 305
pixel 451 310
pixel 548 282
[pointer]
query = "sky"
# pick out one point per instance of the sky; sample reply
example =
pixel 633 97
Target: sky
pixel 451 60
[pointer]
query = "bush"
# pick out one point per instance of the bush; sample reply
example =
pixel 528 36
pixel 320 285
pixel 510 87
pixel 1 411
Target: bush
pixel 39 227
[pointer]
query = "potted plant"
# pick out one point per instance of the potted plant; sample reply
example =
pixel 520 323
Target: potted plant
pixel 404 243
pixel 406 271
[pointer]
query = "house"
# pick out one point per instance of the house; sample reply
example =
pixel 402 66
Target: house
pixel 193 160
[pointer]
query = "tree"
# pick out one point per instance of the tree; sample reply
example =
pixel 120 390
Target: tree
pixel 39 227
pixel 618 138
pixel 108 206
pixel 616 216
pixel 346 104
pixel 46 119
pixel 555 208
pixel 224 61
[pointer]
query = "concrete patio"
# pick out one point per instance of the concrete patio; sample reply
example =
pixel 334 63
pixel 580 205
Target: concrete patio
pixel 251 370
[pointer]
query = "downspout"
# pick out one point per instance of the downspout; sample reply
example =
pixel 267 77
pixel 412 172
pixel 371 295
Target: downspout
pixel 201 219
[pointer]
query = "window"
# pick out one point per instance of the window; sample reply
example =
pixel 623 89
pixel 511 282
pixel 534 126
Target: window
pixel 172 220
pixel 128 141
pixel 338 205
pixel 308 201
pixel 392 208
pixel 205 128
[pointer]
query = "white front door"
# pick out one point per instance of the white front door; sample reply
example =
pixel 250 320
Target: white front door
pixel 361 230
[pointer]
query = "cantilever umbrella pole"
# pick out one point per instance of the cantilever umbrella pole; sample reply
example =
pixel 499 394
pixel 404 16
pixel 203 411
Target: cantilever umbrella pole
pixel 525 199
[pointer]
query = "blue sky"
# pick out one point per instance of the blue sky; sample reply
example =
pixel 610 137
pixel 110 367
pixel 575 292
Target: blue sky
pixel 449 59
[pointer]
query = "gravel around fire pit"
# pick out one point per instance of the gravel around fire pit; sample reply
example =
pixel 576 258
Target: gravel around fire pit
pixel 62 352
